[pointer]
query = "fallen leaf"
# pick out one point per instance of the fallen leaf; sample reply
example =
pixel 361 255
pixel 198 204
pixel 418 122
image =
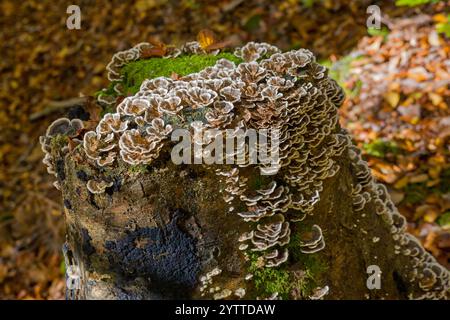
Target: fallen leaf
pixel 392 98
pixel 396 196
pixel 435 98
pixel 206 38
pixel 418 178
pixel 401 183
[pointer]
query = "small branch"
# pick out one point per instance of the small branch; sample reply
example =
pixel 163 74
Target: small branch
pixel 54 106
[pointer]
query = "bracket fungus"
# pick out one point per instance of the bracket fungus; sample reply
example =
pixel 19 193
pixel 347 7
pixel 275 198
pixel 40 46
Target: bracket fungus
pixel 60 127
pixel 262 88
pixel 319 293
pixel 98 186
pixel 314 241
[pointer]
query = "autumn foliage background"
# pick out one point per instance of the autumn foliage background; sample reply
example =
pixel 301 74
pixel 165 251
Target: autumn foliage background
pixel 397 107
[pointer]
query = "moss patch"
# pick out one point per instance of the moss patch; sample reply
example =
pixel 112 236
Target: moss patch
pixel 139 168
pixel 269 280
pixel 136 72
pixel 294 280
pixel 58 142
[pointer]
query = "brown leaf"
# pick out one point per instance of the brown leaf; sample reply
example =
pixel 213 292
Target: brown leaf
pixel 159 49
pixel 206 38
pixel 218 45
pixel 418 178
pixel 435 98
pixel 392 98
pixel 153 52
pixel 396 196
pixel 93 109
pixel 401 183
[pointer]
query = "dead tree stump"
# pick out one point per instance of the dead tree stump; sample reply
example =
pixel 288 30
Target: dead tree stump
pixel 313 224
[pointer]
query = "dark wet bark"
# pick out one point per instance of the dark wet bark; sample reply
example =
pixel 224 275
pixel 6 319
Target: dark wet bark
pixel 154 234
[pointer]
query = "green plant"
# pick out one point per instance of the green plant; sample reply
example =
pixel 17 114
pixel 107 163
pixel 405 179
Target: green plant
pixel 374 32
pixel 444 220
pixel 308 3
pixel 380 148
pixel 270 280
pixel 340 71
pixel 413 3
pixel 139 168
pixel 444 27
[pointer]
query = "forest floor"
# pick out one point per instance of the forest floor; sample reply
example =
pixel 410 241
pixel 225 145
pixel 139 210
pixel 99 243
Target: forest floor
pixel 401 122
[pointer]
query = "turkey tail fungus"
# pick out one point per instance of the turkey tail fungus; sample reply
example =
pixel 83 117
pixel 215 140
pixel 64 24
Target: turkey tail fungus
pixel 140 226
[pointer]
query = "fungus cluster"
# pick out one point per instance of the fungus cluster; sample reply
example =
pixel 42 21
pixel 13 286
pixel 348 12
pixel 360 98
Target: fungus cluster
pixel 95 186
pixel 267 238
pixel 314 241
pixel 206 282
pixel 269 89
pixel 289 92
pixel 431 280
pixel 60 127
pixel 319 293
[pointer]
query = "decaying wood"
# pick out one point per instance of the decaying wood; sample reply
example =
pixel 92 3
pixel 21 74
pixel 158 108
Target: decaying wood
pixel 141 227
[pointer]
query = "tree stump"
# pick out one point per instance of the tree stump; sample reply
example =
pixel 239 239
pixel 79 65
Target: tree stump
pixel 311 225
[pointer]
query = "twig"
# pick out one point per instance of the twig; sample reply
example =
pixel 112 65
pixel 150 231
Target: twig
pixel 54 106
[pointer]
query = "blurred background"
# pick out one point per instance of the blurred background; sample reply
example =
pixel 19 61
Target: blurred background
pixel 397 107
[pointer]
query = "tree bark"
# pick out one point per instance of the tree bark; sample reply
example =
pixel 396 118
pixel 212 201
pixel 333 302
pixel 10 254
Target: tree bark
pixel 152 235
pixel 141 227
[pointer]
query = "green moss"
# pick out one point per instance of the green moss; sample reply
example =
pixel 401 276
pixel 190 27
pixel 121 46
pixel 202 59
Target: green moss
pixel 269 280
pixel 109 91
pixel 313 265
pixel 58 142
pixel 304 284
pixel 136 72
pixel 302 280
pixel 140 168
